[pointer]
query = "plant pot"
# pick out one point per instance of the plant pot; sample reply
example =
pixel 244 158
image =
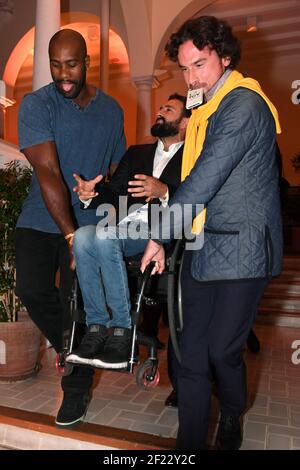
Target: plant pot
pixel 19 349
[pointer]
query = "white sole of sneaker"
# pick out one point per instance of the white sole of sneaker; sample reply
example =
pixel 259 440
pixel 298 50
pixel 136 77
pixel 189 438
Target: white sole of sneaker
pixel 74 359
pixel 108 365
pixel 70 424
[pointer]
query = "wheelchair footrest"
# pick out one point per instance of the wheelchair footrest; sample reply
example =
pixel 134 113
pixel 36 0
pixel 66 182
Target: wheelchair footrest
pixel 98 364
pixel 147 374
pixel 123 369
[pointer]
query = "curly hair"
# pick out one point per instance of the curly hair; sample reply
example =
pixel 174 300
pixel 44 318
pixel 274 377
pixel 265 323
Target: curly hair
pixel 206 31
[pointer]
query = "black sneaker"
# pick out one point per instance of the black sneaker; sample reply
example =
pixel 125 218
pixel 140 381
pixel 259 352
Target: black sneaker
pixel 229 435
pixel 116 350
pixel 92 344
pixel 72 410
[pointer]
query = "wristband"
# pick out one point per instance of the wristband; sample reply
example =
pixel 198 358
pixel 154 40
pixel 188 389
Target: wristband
pixel 69 238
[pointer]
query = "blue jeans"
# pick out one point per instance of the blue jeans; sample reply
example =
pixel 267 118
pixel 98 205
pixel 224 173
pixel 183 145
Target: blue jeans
pixel 101 270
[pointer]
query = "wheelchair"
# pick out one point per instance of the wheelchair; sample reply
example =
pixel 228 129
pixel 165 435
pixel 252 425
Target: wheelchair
pixel 161 290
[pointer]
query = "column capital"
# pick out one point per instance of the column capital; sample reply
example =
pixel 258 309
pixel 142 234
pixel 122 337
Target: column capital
pixel 5 102
pixel 144 86
pixel 144 81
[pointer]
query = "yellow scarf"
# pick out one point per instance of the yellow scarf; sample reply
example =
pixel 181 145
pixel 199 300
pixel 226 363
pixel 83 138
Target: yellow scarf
pixel 196 130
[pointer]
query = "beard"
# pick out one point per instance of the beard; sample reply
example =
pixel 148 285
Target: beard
pixel 164 128
pixel 72 94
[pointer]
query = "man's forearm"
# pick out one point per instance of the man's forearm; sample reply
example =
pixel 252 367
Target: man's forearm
pixel 56 198
pixel 43 157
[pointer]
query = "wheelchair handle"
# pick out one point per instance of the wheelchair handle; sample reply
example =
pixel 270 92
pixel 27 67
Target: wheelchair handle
pixel 139 298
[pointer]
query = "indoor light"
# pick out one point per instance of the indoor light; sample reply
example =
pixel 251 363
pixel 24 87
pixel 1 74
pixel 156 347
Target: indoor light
pixel 251 24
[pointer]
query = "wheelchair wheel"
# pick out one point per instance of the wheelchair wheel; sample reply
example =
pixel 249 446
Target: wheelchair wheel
pixel 63 368
pixel 60 362
pixel 175 314
pixel 147 375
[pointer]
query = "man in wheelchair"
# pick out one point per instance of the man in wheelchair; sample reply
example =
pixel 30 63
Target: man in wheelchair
pixel 149 174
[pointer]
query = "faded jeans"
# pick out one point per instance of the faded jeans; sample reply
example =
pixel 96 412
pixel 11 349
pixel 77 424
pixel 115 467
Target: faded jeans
pixel 101 270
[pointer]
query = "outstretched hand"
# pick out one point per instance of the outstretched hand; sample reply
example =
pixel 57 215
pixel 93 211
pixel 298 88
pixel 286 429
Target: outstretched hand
pixel 86 189
pixel 153 252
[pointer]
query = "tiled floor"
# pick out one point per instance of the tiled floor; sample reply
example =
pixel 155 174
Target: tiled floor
pixel 271 422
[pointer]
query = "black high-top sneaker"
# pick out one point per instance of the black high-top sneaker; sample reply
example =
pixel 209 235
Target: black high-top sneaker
pixel 116 350
pixel 91 345
pixel 72 410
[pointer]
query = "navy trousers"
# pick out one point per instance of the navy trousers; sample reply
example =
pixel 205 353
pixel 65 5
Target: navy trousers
pixel 217 319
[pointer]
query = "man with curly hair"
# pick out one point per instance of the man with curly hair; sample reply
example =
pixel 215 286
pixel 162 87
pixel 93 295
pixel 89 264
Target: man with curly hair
pixel 229 166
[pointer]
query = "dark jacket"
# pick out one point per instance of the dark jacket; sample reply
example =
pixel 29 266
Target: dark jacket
pixel 137 160
pixel 236 177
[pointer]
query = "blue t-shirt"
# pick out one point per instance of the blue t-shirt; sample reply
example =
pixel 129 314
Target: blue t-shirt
pixel 88 140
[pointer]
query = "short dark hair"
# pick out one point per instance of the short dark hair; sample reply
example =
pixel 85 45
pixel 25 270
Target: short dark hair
pixel 206 31
pixel 68 35
pixel 185 112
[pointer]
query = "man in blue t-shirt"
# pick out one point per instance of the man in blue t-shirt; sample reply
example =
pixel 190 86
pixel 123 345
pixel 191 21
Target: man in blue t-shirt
pixel 65 127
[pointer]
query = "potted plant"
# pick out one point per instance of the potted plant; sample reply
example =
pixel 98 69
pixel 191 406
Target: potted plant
pixel 19 337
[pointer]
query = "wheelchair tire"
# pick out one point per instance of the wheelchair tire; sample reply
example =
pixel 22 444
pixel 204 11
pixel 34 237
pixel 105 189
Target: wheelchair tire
pixel 147 375
pixel 68 369
pixel 60 362
pixel 174 292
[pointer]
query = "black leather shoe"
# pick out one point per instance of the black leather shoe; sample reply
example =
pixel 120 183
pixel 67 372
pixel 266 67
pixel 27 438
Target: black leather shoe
pixel 253 343
pixel 229 435
pixel 172 400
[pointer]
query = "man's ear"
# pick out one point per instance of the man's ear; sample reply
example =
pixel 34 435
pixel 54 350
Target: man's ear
pixel 226 61
pixel 183 123
pixel 87 61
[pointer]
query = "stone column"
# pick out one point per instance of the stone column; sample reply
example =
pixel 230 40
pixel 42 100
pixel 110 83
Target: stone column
pixel 104 44
pixel 47 22
pixel 144 107
pixel 5 102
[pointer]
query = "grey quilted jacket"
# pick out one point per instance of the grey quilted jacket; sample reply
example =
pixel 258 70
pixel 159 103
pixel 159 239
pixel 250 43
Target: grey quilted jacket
pixel 236 178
